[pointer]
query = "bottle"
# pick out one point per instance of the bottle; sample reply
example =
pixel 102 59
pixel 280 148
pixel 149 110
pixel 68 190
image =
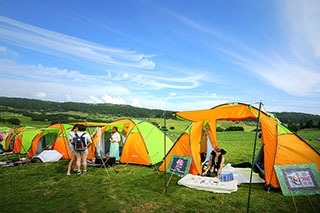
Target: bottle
pixel 231 176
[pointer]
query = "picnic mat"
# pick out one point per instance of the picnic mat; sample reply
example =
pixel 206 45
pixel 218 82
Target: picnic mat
pixel 208 184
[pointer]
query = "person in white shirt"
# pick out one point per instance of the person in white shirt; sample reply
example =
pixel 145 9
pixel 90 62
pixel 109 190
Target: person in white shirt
pixel 114 146
pixel 70 142
pixel 84 153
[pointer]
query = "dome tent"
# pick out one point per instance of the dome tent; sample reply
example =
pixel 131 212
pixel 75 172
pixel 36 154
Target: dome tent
pixel 280 145
pixel 143 142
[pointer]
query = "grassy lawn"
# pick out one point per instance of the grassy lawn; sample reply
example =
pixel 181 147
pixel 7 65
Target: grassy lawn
pixel 46 188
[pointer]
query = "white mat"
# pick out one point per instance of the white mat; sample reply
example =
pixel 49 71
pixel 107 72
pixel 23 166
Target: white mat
pixel 208 184
pixel 49 156
pixel 242 175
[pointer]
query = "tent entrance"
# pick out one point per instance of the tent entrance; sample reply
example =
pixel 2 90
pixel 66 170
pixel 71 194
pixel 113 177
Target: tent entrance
pixel 11 143
pixel 205 146
pixel 103 144
pixel 45 141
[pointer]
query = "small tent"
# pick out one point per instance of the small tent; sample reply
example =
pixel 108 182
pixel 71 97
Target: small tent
pixel 143 142
pixel 280 146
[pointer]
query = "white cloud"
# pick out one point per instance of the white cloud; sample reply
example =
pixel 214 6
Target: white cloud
pixel 41 95
pixel 60 45
pixel 95 100
pixel 135 102
pixel 172 94
pixel 112 100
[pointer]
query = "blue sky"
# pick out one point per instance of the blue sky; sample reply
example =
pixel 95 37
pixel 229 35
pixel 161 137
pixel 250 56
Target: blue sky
pixel 175 55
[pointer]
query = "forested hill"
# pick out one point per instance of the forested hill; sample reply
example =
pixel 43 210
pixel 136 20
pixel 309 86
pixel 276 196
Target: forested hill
pixel 33 105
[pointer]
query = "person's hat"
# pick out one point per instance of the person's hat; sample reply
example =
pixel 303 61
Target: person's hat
pixel 217 149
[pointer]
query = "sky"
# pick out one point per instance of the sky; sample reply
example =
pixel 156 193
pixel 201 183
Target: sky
pixel 163 54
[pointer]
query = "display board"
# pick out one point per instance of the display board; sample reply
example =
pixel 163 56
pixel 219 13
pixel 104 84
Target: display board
pixel 298 179
pixel 179 165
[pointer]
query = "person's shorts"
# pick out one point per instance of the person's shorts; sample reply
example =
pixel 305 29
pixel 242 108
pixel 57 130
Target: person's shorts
pixel 85 152
pixel 71 147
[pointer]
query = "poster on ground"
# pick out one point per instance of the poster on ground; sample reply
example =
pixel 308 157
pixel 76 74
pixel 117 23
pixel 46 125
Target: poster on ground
pixel 298 179
pixel 179 165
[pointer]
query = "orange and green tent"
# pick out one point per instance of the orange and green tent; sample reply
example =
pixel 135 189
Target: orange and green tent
pixel 280 145
pixel 143 142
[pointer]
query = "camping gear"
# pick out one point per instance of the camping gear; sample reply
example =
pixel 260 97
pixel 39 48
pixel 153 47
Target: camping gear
pixel 279 145
pixel 143 142
pixel 49 156
pixel 208 184
pixel 108 161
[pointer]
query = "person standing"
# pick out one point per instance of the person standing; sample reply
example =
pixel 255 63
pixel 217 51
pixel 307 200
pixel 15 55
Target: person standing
pixel 70 142
pixel 114 146
pixel 82 135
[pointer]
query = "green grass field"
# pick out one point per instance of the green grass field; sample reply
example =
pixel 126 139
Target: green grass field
pixel 44 187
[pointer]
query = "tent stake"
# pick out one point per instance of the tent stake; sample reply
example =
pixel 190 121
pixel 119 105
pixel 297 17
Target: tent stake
pixel 254 151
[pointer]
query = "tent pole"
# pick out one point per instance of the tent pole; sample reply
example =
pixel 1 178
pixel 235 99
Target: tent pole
pixel 165 148
pixel 254 151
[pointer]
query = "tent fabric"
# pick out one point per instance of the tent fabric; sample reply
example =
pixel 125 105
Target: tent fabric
pixel 281 146
pixel 49 156
pixel 143 143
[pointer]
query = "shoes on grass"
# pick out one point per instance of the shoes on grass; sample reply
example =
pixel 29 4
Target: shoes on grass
pixel 79 172
pixel 84 172
pixel 68 174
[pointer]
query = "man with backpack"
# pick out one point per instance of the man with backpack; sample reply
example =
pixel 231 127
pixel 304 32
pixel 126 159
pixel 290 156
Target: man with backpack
pixel 80 142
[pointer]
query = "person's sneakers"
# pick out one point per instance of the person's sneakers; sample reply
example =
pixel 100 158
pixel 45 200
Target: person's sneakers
pixel 68 174
pixel 75 170
pixel 79 172
pixel 84 172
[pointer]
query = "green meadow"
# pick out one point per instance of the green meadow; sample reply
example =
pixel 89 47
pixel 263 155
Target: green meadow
pixel 44 187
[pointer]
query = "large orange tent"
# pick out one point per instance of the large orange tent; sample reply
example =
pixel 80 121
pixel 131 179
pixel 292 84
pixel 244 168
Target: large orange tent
pixel 280 145
pixel 143 142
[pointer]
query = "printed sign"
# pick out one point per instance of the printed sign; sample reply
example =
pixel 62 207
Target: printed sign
pixel 299 179
pixel 179 165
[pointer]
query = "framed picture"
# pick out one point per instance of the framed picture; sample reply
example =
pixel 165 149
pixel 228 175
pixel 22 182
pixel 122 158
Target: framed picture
pixel 298 179
pixel 179 165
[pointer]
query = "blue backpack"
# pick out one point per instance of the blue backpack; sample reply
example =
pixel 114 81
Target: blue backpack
pixel 79 142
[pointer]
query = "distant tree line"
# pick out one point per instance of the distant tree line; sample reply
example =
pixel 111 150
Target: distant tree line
pixel 33 105
pixel 307 125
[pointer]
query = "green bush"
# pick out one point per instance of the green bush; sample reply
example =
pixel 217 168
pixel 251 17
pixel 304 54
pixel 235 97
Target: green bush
pixel 219 129
pixel 14 121
pixel 235 128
